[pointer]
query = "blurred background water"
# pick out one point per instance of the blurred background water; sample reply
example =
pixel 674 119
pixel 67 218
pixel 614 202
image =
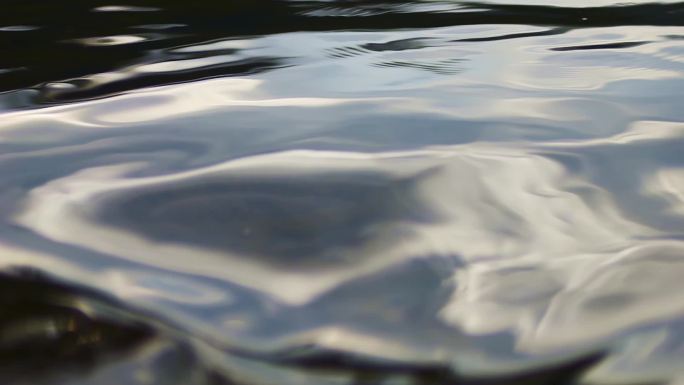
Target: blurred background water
pixel 341 192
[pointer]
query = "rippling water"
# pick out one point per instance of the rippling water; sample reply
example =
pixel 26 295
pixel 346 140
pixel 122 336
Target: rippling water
pixel 341 192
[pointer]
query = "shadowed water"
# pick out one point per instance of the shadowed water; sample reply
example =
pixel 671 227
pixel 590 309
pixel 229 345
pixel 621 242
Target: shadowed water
pixel 341 192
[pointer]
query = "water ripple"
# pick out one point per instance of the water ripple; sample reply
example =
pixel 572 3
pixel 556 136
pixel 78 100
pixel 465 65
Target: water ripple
pixel 334 192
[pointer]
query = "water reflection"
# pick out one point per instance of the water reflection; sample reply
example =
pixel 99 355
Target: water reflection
pixel 316 192
pixel 220 20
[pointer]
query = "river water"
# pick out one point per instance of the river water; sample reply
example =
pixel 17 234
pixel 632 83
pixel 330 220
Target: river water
pixel 341 192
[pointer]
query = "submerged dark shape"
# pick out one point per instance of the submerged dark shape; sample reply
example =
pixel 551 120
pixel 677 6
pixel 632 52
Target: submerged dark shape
pixel 288 220
pixel 49 329
pixel 53 332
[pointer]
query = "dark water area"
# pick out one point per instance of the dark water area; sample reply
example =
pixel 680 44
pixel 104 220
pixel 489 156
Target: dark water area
pixel 341 192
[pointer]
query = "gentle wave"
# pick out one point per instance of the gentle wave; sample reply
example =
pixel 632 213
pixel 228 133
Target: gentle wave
pixel 332 192
pixel 122 48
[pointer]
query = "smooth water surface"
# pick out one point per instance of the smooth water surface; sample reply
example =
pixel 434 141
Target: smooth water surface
pixel 341 192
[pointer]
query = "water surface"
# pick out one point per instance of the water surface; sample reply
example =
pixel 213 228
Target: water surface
pixel 342 192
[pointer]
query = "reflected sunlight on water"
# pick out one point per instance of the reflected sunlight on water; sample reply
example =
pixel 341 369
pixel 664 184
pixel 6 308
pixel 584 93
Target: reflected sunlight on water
pixel 335 192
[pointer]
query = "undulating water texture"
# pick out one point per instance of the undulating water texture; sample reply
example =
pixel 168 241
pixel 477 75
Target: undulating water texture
pixel 332 192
